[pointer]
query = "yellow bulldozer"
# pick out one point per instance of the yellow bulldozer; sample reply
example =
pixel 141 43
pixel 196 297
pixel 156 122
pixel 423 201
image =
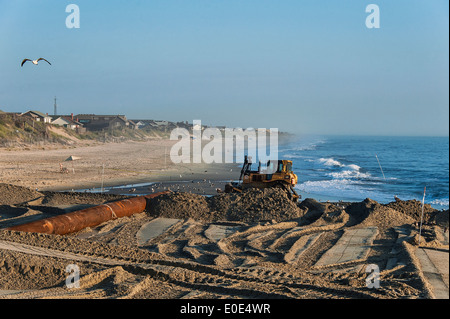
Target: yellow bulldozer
pixel 277 173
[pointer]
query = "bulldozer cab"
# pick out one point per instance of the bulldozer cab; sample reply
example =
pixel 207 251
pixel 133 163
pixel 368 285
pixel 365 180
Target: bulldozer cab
pixel 271 167
pixel 279 166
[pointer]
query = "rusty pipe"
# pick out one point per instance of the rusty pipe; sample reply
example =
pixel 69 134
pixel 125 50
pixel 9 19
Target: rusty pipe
pixel 89 217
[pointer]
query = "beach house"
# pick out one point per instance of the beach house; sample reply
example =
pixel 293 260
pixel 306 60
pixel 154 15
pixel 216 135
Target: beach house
pixel 94 122
pixel 37 116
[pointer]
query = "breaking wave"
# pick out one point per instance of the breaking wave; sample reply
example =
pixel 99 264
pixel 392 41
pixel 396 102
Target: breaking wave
pixel 350 171
pixel 330 162
pixel 444 202
pixel 350 174
pixel 341 188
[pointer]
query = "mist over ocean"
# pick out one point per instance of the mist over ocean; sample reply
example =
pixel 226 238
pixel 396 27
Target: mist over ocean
pixel 352 168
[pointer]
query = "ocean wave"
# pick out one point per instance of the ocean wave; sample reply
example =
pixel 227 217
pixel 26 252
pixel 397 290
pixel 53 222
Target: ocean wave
pixel 350 170
pixel 440 202
pixel 354 167
pixel 350 174
pixel 330 162
pixel 343 189
pixel 327 184
pixel 337 184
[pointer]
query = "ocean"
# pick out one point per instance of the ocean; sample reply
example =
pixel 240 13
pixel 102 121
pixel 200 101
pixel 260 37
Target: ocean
pixel 352 168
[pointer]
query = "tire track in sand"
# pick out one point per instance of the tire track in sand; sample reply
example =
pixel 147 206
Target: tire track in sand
pixel 201 277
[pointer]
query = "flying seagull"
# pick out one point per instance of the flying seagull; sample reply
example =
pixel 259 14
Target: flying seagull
pixel 35 62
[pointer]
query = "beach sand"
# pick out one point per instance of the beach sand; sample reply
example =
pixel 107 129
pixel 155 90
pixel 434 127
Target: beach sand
pixel 108 164
pixel 258 244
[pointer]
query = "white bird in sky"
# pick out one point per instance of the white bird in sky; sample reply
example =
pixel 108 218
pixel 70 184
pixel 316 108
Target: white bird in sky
pixel 35 62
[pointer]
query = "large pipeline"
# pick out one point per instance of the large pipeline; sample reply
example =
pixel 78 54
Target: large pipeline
pixel 89 217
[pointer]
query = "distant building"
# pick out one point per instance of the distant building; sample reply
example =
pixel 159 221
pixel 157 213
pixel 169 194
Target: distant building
pixel 183 125
pixel 140 124
pixel 94 122
pixel 149 123
pixel 162 123
pixel 132 125
pixel 159 124
pixel 37 116
pixel 119 121
pixel 67 121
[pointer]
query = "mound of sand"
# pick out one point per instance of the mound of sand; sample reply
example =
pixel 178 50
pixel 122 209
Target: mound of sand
pixel 256 205
pixel 180 205
pixel 14 195
pixel 372 213
pixel 252 205
pixel 384 217
pixel 59 198
pixel 314 210
pixel 19 271
pixel 441 219
pixel 413 208
pixel 424 241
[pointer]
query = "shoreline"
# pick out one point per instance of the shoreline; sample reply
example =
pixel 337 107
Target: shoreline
pixel 115 165
pixel 183 174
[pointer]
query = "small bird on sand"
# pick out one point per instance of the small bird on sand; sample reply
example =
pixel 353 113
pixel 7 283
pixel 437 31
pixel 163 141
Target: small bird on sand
pixel 35 62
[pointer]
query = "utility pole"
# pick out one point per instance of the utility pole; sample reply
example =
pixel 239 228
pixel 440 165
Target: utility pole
pixel 421 216
pixel 55 110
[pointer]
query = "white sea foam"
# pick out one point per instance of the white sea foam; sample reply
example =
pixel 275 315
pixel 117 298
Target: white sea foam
pixel 343 188
pixel 326 184
pixel 354 167
pixel 349 174
pixel 330 162
pixel 440 202
pixel 350 171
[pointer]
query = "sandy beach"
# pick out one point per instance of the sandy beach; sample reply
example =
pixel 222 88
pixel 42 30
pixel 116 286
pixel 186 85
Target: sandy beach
pixel 185 245
pixel 110 163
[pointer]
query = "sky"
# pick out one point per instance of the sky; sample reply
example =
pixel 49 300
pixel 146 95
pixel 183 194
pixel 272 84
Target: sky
pixel 307 67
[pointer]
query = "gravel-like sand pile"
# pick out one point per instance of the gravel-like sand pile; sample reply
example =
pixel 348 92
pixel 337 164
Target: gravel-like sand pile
pixel 441 218
pixel 59 198
pixel 413 208
pixel 252 205
pixel 13 195
pixel 180 205
pixel 384 216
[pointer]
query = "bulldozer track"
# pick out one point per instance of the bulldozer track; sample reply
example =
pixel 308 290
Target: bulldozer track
pixel 253 283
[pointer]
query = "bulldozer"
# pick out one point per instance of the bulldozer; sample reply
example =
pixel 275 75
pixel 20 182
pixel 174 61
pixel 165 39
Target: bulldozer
pixel 277 173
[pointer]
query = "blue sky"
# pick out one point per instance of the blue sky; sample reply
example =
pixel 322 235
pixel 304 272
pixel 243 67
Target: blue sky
pixel 300 66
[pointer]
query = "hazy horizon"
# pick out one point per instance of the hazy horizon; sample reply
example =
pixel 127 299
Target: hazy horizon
pixel 304 67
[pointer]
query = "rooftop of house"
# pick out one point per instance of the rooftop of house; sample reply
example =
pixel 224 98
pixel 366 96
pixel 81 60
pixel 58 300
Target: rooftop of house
pixel 40 114
pixel 68 119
